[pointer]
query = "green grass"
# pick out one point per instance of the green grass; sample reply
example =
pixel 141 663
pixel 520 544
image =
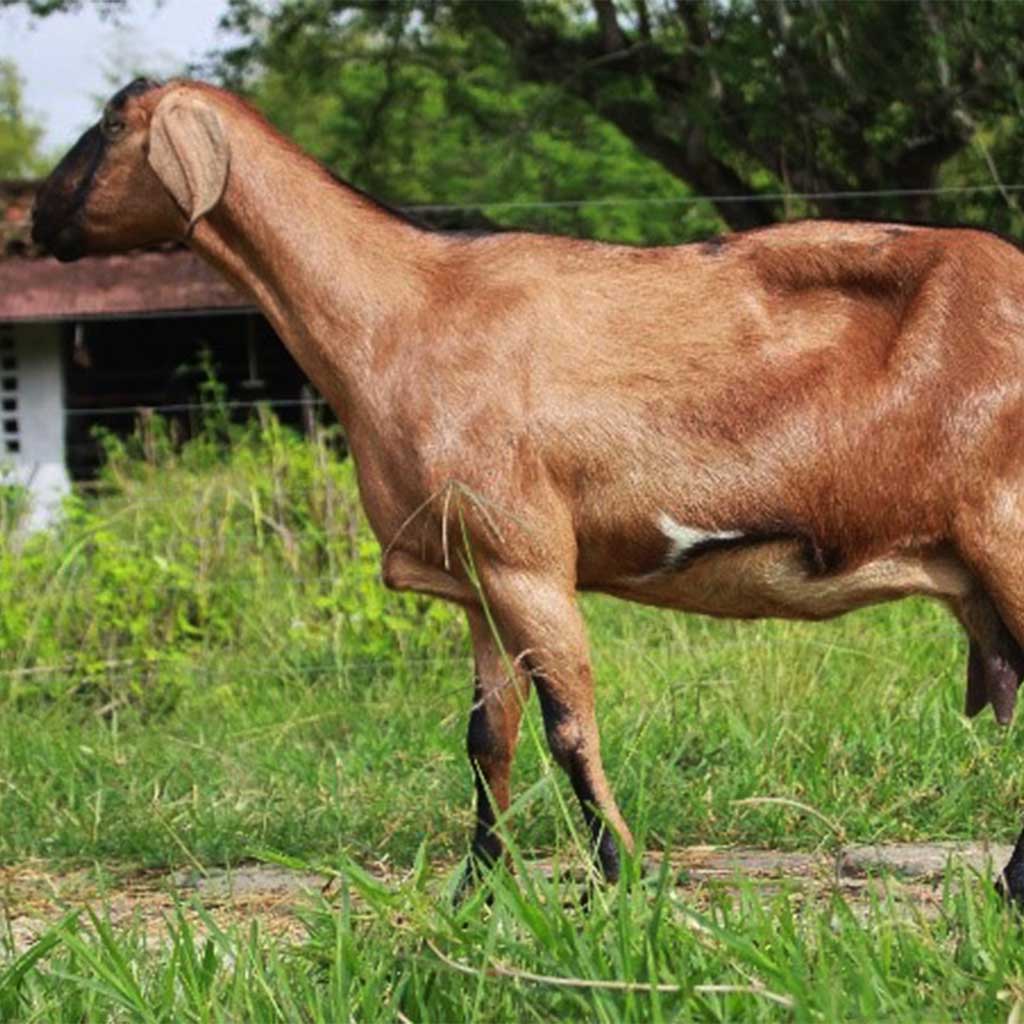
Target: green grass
pixel 526 950
pixel 201 668
pixel 859 719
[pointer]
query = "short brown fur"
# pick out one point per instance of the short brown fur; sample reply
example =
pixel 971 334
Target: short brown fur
pixel 845 397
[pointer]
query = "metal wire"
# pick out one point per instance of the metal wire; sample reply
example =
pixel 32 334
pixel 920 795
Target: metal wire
pixel 101 671
pixel 687 200
pixel 843 195
pixel 210 407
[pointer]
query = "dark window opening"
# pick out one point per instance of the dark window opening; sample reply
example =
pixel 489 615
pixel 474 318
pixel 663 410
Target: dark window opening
pixel 13 446
pixel 10 405
pixel 11 426
pixel 157 364
pixel 9 383
pixel 8 363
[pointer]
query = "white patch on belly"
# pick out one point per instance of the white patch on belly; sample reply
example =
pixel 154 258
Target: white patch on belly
pixel 684 538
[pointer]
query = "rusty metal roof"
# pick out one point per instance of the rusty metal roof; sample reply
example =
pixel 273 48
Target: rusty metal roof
pixel 34 286
pixel 136 284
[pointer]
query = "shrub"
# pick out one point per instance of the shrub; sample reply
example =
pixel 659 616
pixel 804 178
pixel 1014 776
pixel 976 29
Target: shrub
pixel 246 539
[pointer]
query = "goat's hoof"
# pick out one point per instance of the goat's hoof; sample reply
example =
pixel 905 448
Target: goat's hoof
pixel 467 883
pixel 608 861
pixel 475 871
pixel 1011 890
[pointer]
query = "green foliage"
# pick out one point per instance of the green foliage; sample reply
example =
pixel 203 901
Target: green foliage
pixel 246 538
pixel 44 8
pixel 491 105
pixel 564 99
pixel 14 503
pixel 494 104
pixel 19 133
pixel 201 667
pixel 454 125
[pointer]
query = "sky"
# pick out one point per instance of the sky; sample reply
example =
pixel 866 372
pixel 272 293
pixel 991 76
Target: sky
pixel 70 63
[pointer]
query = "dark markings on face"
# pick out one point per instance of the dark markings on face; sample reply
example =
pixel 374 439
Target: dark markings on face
pixel 57 213
pixel 95 158
pixel 61 200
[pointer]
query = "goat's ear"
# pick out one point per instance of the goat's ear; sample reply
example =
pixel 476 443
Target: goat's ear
pixel 189 154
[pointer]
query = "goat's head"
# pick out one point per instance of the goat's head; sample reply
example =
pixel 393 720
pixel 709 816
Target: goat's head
pixel 156 163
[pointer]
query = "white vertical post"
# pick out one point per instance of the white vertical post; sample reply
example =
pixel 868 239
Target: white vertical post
pixel 32 417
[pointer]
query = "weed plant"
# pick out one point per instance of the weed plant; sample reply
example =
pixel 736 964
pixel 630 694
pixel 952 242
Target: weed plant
pixel 244 541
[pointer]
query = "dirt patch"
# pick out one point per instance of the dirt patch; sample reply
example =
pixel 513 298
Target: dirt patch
pixel 34 898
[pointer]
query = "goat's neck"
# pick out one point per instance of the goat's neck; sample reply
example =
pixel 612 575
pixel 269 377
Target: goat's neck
pixel 332 273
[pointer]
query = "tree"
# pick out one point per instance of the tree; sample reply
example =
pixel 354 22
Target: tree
pixel 774 108
pixel 19 134
pixel 44 8
pixel 430 130
pixel 737 99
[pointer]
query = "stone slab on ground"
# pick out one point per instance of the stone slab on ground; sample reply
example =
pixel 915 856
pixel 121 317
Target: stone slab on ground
pixel 246 880
pixel 716 862
pixel 34 898
pixel 922 861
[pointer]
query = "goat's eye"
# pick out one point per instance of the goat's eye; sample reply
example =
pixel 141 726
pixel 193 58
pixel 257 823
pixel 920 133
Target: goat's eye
pixel 112 127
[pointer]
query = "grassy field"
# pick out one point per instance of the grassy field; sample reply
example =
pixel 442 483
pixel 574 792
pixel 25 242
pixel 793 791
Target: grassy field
pixel 200 669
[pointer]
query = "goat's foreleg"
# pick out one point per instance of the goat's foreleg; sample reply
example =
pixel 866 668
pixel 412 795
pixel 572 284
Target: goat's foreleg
pixel 541 626
pixel 500 691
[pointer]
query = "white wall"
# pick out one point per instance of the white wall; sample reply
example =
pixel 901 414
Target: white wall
pixel 32 416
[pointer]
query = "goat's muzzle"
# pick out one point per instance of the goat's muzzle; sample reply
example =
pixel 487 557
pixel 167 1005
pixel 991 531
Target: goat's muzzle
pixel 66 242
pixel 57 213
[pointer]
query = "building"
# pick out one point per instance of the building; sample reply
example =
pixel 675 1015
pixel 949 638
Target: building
pixel 93 343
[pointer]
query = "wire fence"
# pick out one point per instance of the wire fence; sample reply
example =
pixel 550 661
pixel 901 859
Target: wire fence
pixel 688 199
pixel 207 407
pixel 127 670
pixel 848 195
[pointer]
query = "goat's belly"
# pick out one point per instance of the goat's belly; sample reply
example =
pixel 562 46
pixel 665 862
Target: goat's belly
pixel 775 579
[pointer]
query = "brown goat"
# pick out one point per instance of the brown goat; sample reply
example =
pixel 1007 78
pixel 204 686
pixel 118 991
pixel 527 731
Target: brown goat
pixel 793 422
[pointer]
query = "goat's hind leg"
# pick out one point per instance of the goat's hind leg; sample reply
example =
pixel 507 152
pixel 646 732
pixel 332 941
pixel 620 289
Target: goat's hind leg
pixel 499 693
pixel 997 558
pixel 541 624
